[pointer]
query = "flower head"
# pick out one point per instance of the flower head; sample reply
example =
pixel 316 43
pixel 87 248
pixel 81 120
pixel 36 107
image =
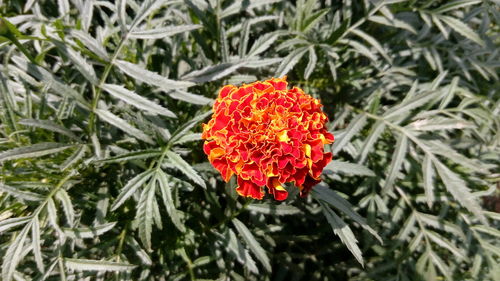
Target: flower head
pixel 267 135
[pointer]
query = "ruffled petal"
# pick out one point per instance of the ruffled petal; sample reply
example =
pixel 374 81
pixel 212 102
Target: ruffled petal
pixel 267 135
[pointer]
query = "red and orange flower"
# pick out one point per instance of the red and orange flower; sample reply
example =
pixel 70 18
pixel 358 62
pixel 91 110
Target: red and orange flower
pixel 267 135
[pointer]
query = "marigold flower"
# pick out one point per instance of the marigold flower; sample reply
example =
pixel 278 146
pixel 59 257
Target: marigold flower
pixel 267 135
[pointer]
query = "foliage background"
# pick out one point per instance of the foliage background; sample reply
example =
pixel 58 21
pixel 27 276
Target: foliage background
pixel 102 175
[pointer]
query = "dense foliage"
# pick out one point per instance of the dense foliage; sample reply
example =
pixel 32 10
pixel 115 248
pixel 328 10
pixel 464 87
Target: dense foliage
pixel 103 175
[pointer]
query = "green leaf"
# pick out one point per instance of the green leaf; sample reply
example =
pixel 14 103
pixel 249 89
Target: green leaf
pixel 130 188
pixel 229 242
pixel 67 205
pixel 123 125
pixel 311 21
pixel 290 61
pixel 264 42
pixel 428 175
pixel 185 168
pixel 90 43
pixel 348 168
pixel 49 125
pixel 311 64
pixel 458 188
pixel 372 41
pixel 79 62
pixel 134 155
pixel 168 201
pixel 369 144
pixel 274 209
pixel 138 101
pixel 343 231
pixel 453 5
pixel 252 243
pixel 20 194
pixel 147 8
pixel 88 232
pixel 151 78
pixel 323 193
pixel 76 156
pixel 397 160
pixel 405 107
pixel 189 97
pixel 36 243
pixel 213 72
pixel 354 127
pixel 13 255
pixel 96 265
pixel 462 28
pixel 144 214
pixel 162 32
pixel 33 151
pixel 50 80
pixel 7 224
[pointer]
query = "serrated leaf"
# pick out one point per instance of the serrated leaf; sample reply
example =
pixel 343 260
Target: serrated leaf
pixel 49 125
pixel 168 201
pixel 144 214
pixel 263 43
pixel 372 41
pixel 311 64
pixel 252 243
pixel 7 224
pixel 244 6
pixel 323 193
pixel 162 32
pixel 33 151
pixel 145 10
pixel 76 156
pixel 50 80
pixel 453 5
pixel 411 104
pixel 396 162
pixel 134 155
pixel 442 242
pixel 20 194
pixel 214 72
pixel 69 212
pixel 355 125
pixel 123 125
pixel 184 128
pixel 36 244
pixel 189 97
pixel 274 209
pixel 348 168
pixel 462 28
pixel 185 168
pixel 343 231
pixel 88 232
pixel 90 43
pixel 369 144
pixel 290 61
pixel 428 175
pixel 458 188
pixel 230 243
pixel 79 62
pixel 96 265
pixel 139 252
pixel 13 255
pixel 130 188
pixel 151 78
pixel 312 20
pixel 135 100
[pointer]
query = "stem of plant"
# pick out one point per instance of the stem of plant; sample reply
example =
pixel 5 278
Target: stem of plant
pixel 98 90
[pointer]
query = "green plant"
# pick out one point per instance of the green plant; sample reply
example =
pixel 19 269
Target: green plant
pixel 102 173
